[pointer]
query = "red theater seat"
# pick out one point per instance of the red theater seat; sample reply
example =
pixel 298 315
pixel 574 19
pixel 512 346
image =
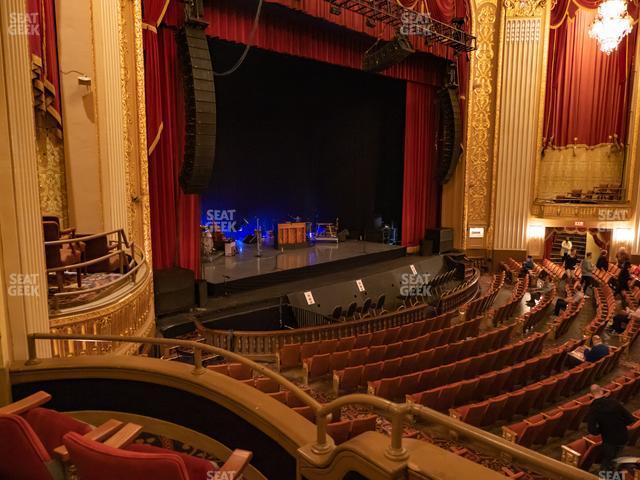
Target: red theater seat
pixel 346 343
pixel 363 424
pixel 240 371
pixel 266 384
pixel 362 340
pixel 371 372
pixel 97 461
pixel 289 356
pixel 339 431
pixel 23 456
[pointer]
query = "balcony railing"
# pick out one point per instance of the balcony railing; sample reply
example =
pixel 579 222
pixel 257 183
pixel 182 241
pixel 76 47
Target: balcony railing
pixel 396 413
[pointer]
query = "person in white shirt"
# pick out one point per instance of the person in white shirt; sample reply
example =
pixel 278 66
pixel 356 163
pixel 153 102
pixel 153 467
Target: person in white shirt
pixel 566 247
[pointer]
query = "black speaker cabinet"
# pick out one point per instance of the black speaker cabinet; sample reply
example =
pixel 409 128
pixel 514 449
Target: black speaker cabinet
pixel 200 109
pixel 441 238
pixel 173 290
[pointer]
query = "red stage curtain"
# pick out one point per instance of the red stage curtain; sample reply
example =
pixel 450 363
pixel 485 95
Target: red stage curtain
pixel 44 57
pixel 587 91
pixel 442 10
pixel 175 217
pixel 420 192
pixel 302 36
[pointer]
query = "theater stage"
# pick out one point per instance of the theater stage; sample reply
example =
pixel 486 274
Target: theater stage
pixel 247 271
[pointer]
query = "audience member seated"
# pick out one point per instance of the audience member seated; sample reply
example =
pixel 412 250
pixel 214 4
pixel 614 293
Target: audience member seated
pixel 563 303
pixel 622 257
pixel 597 351
pixel 608 417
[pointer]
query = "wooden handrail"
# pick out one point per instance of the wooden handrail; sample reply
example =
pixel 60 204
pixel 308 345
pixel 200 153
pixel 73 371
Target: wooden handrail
pixel 396 413
pixel 134 266
pixel 119 231
pixel 268 342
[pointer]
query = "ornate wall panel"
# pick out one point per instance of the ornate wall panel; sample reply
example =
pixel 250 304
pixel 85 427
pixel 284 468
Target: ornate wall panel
pixel 479 141
pixel 51 174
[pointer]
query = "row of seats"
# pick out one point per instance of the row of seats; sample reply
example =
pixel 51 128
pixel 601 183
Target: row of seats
pixel 320 365
pixel 503 407
pixel 461 293
pixel 584 452
pixel 632 298
pixel 605 310
pixel 342 430
pixel 239 371
pixel 351 378
pixel 553 269
pixel 501 314
pixel 291 355
pixel 562 323
pixel 402 385
pixel 480 305
pixel 538 313
pixel 462 392
pixel 41 444
pixel 537 429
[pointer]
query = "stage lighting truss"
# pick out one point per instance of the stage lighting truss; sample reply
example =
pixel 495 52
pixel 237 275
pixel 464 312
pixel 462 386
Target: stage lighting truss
pixel 408 22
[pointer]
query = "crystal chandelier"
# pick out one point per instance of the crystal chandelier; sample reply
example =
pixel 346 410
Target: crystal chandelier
pixel 611 24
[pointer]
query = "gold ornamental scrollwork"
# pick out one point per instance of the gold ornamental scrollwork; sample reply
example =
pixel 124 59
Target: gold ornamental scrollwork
pixel 478 173
pixel 525 8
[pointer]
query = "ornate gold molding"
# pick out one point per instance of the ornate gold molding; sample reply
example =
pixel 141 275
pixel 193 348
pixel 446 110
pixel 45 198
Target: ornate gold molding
pixel 131 314
pixel 525 8
pixel 479 133
pixel 142 131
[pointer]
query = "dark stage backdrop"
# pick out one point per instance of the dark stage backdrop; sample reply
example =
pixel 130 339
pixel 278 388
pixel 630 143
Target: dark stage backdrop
pixel 300 137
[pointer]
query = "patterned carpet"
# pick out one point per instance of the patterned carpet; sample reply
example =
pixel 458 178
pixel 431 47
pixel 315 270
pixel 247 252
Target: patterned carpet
pixel 89 281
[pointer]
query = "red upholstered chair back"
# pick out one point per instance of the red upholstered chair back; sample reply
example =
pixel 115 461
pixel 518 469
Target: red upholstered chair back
pixel 22 456
pixel 96 461
pixel 50 426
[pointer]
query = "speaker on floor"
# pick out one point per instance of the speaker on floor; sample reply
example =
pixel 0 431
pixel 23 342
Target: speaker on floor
pixel 200 108
pixel 441 239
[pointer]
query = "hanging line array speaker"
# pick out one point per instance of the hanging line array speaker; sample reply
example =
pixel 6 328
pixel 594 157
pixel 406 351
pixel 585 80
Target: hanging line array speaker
pixel 200 109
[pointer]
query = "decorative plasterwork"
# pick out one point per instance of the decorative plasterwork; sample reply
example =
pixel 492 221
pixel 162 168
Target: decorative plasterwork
pixel 478 161
pixel 525 8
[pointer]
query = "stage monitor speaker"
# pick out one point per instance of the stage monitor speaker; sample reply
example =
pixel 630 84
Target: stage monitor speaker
pixel 200 109
pixel 379 58
pixel 441 238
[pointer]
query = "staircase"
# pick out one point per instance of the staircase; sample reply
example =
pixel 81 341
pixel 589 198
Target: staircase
pixel 579 243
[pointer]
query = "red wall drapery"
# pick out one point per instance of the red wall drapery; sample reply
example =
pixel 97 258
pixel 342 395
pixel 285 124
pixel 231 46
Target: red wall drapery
pixel 587 91
pixel 43 47
pixel 175 217
pixel 420 192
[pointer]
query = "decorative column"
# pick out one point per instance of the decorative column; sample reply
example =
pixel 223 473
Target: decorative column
pixel 111 133
pixel 480 127
pixel 23 262
pixel 518 116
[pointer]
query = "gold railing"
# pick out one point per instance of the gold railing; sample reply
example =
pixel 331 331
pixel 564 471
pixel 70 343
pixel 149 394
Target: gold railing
pixel 265 343
pixel 397 414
